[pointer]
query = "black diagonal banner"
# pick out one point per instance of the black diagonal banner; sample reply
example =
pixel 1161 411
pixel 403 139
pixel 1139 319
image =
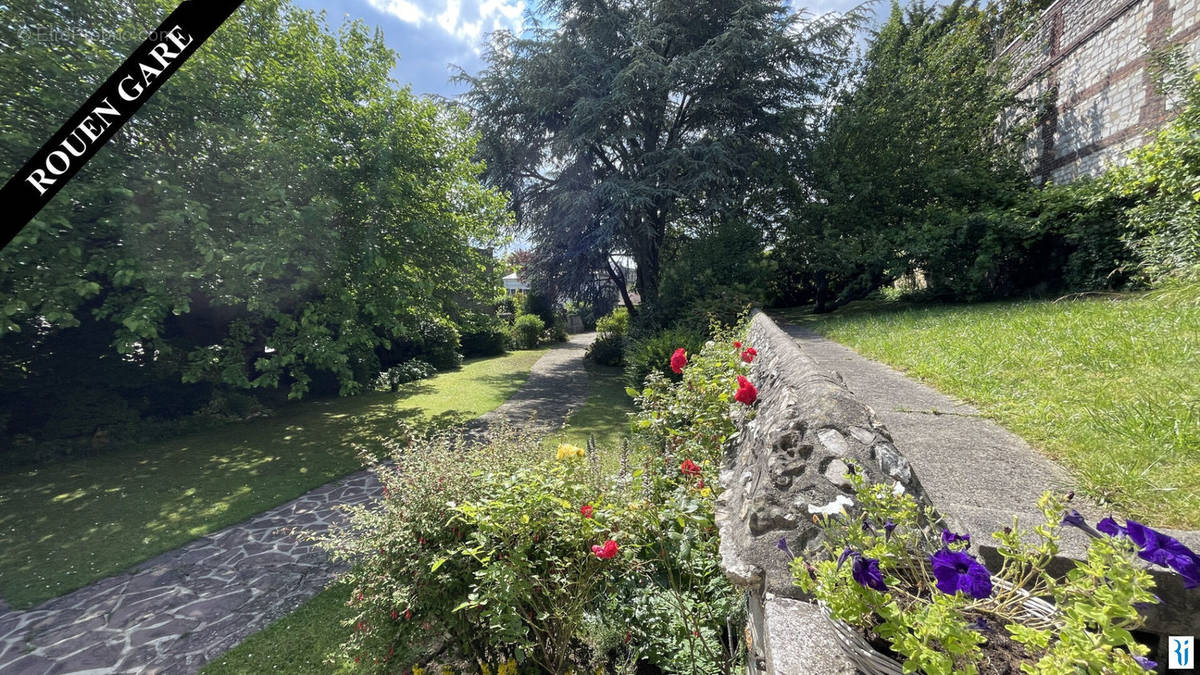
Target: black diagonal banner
pixel 164 50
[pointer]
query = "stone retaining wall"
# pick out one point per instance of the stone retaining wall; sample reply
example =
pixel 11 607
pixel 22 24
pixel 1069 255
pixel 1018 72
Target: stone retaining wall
pixel 1089 58
pixel 792 453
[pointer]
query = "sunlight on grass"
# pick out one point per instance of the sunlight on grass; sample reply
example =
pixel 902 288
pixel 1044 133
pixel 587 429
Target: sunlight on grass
pixel 1108 387
pixel 604 415
pixel 66 525
pixel 295 644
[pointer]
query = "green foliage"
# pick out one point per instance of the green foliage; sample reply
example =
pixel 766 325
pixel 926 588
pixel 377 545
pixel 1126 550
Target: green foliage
pixel 611 124
pixel 898 184
pixel 538 304
pixel 651 353
pixel 936 632
pixel 1162 181
pixel 438 343
pixel 615 324
pixel 609 346
pixel 487 342
pixel 482 555
pixel 238 232
pixel 527 331
pixel 409 371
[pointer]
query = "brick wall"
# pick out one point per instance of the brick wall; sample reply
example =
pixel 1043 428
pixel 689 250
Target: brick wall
pixel 1090 58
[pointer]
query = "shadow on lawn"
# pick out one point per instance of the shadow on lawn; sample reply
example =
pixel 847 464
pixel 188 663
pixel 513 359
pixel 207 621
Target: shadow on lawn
pixel 68 524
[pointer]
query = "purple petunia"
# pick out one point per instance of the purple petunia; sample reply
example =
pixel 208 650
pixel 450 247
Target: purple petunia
pixel 1146 663
pixel 1165 550
pixel 866 572
pixel 949 537
pixel 887 529
pixel 957 571
pixel 782 545
pixel 1110 527
pixel 1156 547
pixel 1075 518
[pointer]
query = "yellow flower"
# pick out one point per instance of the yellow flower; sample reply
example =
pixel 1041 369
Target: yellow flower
pixel 484 669
pixel 567 451
pixel 418 670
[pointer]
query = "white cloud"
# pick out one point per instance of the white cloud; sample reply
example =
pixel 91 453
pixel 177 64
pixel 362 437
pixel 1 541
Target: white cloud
pixel 401 9
pixel 462 19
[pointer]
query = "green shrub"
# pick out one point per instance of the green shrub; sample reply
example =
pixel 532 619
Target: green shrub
pixel 439 343
pixel 538 304
pixel 558 329
pixel 614 324
pixel 527 331
pixel 479 552
pixel 487 342
pixel 652 353
pixel 1163 181
pixel 609 346
pixel 607 350
pixel 409 371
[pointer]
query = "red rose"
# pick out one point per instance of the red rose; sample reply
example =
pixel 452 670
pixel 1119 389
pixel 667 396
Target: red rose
pixel 608 550
pixel 746 392
pixel 678 360
pixel 749 354
pixel 407 614
pixel 689 468
pixel 586 510
pixel 737 344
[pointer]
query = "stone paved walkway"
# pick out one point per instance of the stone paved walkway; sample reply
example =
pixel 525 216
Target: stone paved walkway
pixel 176 612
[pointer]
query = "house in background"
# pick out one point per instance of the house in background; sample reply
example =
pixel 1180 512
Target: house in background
pixel 513 283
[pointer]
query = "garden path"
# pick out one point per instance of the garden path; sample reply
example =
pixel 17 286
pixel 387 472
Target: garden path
pixel 976 472
pixel 176 612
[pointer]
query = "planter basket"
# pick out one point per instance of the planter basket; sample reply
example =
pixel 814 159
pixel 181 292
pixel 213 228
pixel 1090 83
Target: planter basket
pixel 870 661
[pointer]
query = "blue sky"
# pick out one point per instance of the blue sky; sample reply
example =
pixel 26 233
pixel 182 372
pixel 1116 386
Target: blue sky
pixel 430 35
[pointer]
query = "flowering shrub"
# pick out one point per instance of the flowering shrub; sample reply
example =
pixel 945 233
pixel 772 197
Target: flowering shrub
pixel 940 610
pixel 481 554
pixel 687 618
pixel 409 371
pixel 478 554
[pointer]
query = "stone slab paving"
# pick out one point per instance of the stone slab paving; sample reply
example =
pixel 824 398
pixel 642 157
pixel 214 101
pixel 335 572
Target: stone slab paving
pixel 176 612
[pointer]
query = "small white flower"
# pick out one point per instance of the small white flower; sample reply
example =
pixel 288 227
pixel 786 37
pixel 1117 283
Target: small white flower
pixel 897 489
pixel 709 343
pixel 834 507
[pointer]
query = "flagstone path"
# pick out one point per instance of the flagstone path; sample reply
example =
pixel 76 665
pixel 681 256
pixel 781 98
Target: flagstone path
pixel 176 612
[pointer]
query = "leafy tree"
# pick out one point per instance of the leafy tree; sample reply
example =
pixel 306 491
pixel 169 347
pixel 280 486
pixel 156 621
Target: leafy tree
pixel 910 156
pixel 616 120
pixel 278 211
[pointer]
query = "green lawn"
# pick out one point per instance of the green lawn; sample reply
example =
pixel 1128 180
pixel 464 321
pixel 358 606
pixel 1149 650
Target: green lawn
pixel 298 642
pixel 295 644
pixel 605 414
pixel 1110 387
pixel 66 525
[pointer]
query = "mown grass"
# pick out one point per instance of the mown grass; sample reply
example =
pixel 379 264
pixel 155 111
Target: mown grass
pixel 1109 386
pixel 66 525
pixel 296 644
pixel 604 415
pixel 300 641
